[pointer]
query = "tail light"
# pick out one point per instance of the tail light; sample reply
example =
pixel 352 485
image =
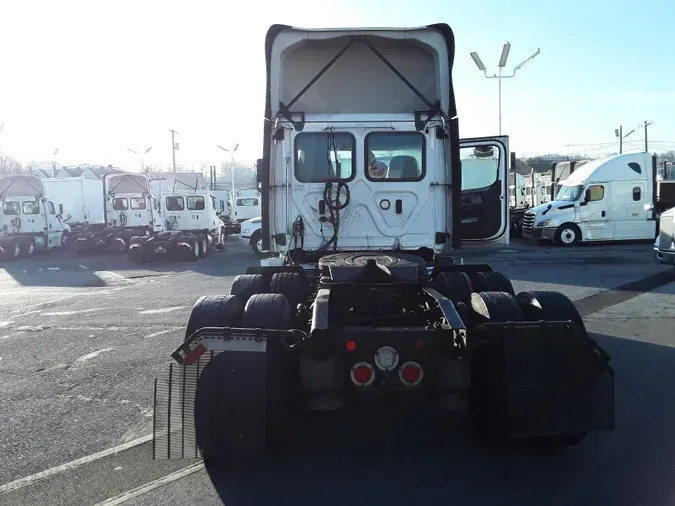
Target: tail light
pixel 362 374
pixel 411 374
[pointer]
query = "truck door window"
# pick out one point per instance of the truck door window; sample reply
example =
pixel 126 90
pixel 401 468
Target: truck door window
pixel 120 204
pixel 175 204
pixel 247 202
pixel 50 208
pixel 395 156
pixel 31 208
pixel 10 208
pixel 196 203
pixel 315 157
pixel 137 203
pixel 597 193
pixel 480 167
pixel 637 194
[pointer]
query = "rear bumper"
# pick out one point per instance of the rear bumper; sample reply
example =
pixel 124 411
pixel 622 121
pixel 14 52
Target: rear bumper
pixel 664 256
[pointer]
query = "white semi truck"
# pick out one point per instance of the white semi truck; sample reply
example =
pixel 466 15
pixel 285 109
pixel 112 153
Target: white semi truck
pixel 30 221
pixel 364 307
pixel 189 219
pixel 609 199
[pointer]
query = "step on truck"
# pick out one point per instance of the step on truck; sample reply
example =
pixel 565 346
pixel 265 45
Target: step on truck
pixel 30 221
pixel 130 210
pixel 367 309
pixel 190 221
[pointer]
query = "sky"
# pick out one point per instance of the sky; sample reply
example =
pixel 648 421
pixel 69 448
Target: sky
pixel 94 78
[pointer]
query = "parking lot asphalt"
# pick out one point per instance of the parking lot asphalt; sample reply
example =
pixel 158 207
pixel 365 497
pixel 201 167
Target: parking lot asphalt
pixel 83 337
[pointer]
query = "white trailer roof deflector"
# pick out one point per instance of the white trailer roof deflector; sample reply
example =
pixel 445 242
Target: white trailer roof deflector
pixel 422 56
pixel 126 184
pixel 21 186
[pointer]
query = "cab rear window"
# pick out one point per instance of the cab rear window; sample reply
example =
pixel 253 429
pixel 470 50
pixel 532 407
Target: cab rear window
pixel 30 208
pixel 195 203
pixel 10 208
pixel 247 202
pixel 175 204
pixel 120 204
pixel 137 204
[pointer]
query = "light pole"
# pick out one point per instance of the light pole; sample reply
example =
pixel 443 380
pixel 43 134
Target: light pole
pixel 174 147
pixel 499 76
pixel 141 155
pixel 231 153
pixel 619 134
pixel 56 152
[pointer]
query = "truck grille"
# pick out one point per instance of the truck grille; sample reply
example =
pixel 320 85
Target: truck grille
pixel 528 221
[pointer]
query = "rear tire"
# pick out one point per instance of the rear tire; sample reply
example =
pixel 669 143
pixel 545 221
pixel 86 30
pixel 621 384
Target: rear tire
pixel 492 282
pixel 456 286
pixel 218 311
pixel 291 284
pixel 203 246
pixel 246 285
pixel 28 249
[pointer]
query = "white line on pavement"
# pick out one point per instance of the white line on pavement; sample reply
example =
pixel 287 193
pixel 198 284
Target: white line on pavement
pixel 34 478
pixel 162 310
pixel 83 267
pixel 148 487
pixel 4 324
pixel 75 311
pixel 93 354
pixel 162 332
pixel 53 268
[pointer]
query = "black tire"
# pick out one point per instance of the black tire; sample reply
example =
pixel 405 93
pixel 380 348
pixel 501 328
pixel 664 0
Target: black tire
pixel 222 240
pixel 291 284
pixel 456 286
pixel 65 240
pixel 488 401
pixel 549 306
pixel 28 249
pixel 497 307
pixel 567 234
pixel 246 285
pixel 273 311
pixel 193 254
pixel 137 255
pixel 256 245
pixel 215 311
pixel 203 245
pixel 13 251
pixel 491 282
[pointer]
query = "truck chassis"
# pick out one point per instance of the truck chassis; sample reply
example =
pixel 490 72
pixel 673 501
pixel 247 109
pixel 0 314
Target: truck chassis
pixel 358 327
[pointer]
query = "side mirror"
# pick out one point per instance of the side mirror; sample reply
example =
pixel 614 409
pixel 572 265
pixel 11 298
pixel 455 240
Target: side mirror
pixel 60 208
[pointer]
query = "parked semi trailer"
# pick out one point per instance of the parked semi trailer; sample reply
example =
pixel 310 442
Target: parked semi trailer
pixel 30 220
pixel 365 307
pixel 81 199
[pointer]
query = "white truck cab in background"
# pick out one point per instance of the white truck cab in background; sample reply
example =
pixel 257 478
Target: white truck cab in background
pixel 29 220
pixel 609 199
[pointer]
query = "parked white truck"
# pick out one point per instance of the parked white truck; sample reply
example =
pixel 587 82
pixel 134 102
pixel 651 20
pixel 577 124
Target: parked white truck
pixel 189 219
pixel 30 221
pixel 608 199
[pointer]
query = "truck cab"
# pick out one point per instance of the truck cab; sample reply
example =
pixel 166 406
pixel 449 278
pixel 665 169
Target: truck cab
pixel 365 172
pixel 129 203
pixel 29 221
pixel 608 199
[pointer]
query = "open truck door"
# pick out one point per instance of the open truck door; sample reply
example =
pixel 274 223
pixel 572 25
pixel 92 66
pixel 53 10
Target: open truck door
pixel 485 203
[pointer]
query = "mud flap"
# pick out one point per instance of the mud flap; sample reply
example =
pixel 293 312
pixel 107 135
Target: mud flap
pixel 214 407
pixel 544 378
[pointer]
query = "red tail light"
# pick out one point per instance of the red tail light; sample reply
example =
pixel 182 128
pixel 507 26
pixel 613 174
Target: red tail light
pixel 362 374
pixel 411 373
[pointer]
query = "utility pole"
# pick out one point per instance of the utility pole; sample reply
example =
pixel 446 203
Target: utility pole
pixel 645 124
pixel 502 63
pixel 619 134
pixel 173 147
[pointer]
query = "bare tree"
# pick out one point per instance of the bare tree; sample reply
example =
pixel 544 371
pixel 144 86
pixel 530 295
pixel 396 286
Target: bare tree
pixel 9 165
